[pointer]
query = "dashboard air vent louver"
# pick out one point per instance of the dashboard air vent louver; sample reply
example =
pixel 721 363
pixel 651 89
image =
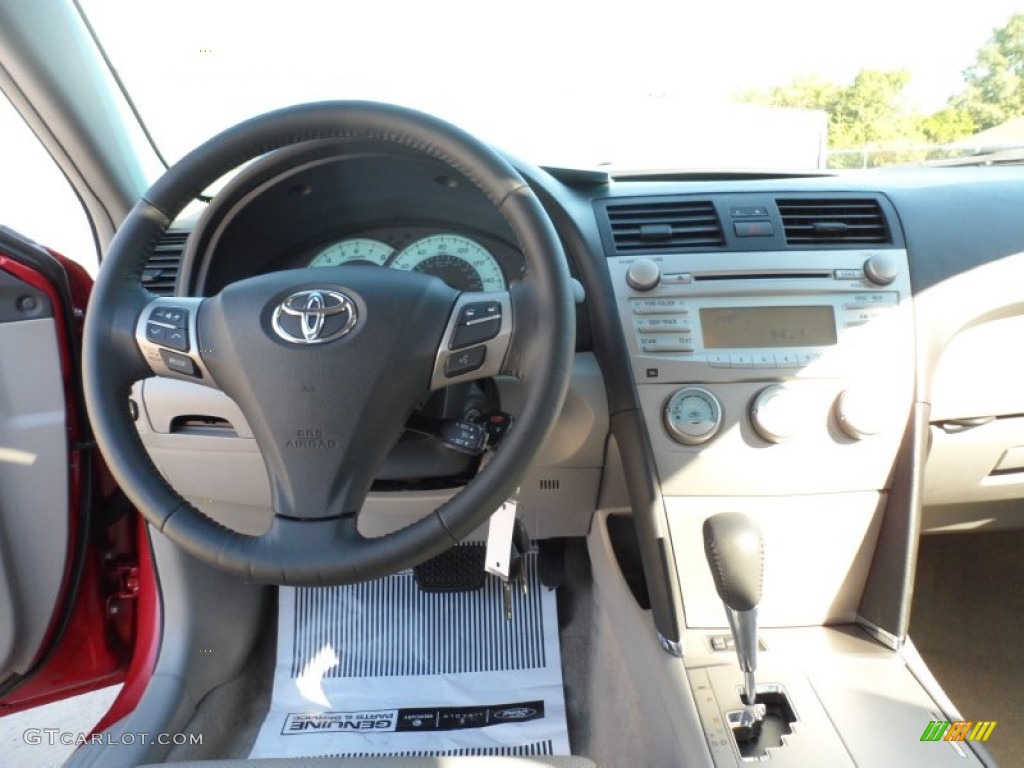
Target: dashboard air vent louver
pixel 160 274
pixel 834 221
pixel 664 226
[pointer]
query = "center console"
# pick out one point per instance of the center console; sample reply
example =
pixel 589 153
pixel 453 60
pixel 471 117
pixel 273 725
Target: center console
pixel 775 372
pixel 777 384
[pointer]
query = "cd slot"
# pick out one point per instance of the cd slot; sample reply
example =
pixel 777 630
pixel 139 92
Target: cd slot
pixel 780 274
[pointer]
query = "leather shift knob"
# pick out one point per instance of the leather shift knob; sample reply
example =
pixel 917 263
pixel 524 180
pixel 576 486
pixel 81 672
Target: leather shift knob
pixel 735 550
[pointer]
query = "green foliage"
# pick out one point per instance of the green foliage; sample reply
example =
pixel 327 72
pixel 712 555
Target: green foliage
pixel 995 82
pixel 867 111
pixel 870 113
pixel 947 125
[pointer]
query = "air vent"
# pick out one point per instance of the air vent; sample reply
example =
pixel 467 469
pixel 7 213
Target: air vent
pixel 664 226
pixel 161 271
pixel 836 221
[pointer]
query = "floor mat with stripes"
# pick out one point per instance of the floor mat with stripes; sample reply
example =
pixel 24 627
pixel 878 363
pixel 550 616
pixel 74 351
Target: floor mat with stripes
pixel 383 668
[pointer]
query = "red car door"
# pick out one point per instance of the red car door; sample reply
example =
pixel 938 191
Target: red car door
pixel 74 594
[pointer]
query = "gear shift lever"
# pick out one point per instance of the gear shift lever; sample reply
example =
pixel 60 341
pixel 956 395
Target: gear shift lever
pixel 735 550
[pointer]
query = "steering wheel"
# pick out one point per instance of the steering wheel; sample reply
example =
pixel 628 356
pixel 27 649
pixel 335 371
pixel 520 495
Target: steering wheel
pixel 326 364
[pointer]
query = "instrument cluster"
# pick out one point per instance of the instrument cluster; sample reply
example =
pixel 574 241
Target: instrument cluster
pixel 465 262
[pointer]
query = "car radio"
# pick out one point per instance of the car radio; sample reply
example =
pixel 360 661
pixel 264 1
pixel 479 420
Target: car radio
pixel 685 315
pixel 809 351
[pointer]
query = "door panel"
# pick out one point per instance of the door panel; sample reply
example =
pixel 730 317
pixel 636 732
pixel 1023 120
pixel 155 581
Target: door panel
pixel 33 476
pixel 68 566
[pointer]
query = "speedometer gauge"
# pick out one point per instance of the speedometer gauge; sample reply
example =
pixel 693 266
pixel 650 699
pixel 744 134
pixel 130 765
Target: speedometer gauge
pixel 356 250
pixel 462 263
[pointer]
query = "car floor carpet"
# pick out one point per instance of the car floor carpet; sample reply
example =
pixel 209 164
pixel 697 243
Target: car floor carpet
pixel 384 668
pixel 968 624
pixel 603 707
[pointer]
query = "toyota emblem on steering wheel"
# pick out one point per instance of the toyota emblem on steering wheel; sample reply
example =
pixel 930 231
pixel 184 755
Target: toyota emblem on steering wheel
pixel 314 316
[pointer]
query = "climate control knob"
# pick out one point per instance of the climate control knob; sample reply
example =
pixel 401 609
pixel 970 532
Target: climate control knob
pixel 862 412
pixel 692 415
pixel 778 413
pixel 643 275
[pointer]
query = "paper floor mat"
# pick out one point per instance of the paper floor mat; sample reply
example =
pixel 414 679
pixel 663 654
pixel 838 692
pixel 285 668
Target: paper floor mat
pixel 384 669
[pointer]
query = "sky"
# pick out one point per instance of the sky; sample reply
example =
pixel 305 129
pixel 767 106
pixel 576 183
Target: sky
pixel 542 66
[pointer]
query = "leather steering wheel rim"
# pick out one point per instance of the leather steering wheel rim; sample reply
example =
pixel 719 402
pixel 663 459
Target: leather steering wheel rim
pixel 308 551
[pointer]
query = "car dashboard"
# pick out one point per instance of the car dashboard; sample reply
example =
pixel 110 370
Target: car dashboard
pixel 805 313
pixel 827 354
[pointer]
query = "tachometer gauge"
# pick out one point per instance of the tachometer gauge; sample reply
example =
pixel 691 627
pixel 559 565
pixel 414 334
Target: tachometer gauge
pixel 462 263
pixel 356 250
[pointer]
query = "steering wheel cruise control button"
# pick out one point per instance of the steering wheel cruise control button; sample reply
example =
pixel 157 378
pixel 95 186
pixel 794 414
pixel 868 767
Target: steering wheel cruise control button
pixel 179 363
pixel 464 362
pixel 464 436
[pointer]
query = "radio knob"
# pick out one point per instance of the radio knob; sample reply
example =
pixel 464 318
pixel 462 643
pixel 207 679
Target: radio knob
pixel 643 274
pixel 777 414
pixel 863 412
pixel 881 269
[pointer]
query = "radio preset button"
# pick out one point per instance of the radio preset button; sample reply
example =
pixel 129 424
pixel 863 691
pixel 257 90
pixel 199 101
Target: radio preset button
pixel 719 361
pixel 741 361
pixel 786 360
pixel 659 307
pixel 764 360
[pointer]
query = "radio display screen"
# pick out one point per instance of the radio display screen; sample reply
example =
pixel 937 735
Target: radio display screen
pixel 762 327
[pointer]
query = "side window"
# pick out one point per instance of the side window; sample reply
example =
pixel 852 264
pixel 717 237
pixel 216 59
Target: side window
pixel 35 198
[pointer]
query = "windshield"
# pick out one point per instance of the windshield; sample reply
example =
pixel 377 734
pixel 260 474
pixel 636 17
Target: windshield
pixel 638 85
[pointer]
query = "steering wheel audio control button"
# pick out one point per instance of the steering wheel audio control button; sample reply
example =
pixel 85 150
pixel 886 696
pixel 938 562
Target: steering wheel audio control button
pixel 175 317
pixel 464 362
pixel 156 333
pixel 478 322
pixel 167 326
pixel 479 311
pixel 166 335
pixel 179 363
pixel 176 338
pixel 467 335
